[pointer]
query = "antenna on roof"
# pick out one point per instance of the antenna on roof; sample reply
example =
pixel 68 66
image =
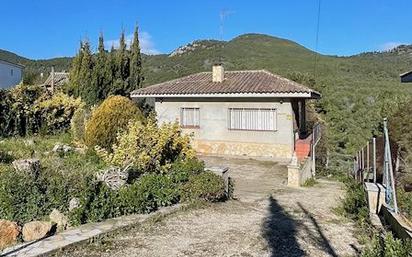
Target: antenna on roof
pixel 222 15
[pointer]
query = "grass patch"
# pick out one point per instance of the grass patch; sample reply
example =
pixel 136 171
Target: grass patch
pixel 311 182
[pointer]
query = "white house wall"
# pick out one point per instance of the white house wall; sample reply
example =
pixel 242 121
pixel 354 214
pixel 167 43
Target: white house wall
pixel 10 75
pixel 214 137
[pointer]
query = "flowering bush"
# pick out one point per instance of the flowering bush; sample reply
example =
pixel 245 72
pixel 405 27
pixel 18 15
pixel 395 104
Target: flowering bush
pixel 57 111
pixel 31 109
pixel 149 147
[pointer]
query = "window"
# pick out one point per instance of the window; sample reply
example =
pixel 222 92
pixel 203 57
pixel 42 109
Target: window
pixel 252 119
pixel 189 117
pixel 11 72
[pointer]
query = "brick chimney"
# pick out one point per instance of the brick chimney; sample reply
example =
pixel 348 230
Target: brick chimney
pixel 218 73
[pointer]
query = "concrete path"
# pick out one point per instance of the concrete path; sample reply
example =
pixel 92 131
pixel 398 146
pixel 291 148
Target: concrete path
pixel 80 234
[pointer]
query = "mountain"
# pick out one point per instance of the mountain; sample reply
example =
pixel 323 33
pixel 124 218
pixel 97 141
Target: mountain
pixel 254 51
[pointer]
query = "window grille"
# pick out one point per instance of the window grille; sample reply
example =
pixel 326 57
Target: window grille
pixel 257 119
pixel 190 117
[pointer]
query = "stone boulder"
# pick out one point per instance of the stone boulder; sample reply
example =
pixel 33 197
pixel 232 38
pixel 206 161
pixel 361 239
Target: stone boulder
pixel 113 177
pixel 62 148
pixel 9 232
pixel 36 230
pixel 29 166
pixel 59 219
pixel 74 203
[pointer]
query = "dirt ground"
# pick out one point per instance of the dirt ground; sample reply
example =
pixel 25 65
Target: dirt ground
pixel 266 219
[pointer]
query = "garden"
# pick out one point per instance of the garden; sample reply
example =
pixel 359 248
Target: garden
pixel 63 164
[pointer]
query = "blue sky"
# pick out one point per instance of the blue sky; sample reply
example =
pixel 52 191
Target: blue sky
pixel 45 28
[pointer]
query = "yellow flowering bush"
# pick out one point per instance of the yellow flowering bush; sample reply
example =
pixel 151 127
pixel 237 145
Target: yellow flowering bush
pixel 148 147
pixel 57 111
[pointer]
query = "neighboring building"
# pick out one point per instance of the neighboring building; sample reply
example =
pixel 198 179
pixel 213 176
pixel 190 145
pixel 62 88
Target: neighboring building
pixel 243 113
pixel 56 80
pixel 10 74
pixel 406 77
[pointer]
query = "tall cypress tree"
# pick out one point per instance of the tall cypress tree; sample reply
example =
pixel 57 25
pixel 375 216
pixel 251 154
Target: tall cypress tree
pixel 112 68
pixel 87 91
pixel 122 67
pixel 74 76
pixel 101 71
pixel 136 78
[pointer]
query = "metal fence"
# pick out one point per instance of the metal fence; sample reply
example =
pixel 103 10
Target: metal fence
pixel 374 163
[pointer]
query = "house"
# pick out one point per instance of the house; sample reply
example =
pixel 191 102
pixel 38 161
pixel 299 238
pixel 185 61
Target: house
pixel 56 79
pixel 244 113
pixel 406 77
pixel 10 74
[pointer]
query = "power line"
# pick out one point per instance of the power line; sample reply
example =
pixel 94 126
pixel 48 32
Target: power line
pixel 317 39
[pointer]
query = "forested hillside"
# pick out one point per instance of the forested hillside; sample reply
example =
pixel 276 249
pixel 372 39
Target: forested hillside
pixel 357 90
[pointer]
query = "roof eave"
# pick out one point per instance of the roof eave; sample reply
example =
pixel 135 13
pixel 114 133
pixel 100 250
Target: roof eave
pixel 310 95
pixel 405 73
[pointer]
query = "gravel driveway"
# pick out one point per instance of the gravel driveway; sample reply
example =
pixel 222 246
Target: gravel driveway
pixel 267 219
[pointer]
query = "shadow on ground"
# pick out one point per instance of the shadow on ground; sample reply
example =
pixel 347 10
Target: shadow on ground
pixel 280 230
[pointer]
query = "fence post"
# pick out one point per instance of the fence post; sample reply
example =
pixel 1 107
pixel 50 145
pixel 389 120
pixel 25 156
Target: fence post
pixel 374 159
pixel 367 161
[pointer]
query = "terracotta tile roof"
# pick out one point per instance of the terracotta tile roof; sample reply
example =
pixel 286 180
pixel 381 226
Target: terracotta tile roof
pixel 60 78
pixel 235 82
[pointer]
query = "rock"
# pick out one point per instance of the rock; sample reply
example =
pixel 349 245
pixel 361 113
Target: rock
pixel 9 231
pixel 59 218
pixel 29 142
pixel 62 148
pixel 114 177
pixel 36 230
pixel 30 166
pixel 74 203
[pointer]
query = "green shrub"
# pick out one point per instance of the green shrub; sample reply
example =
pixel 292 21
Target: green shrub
pixel 24 197
pixel 21 198
pixel 78 124
pixel 5 157
pixel 112 116
pixel 388 246
pixel 149 148
pixel 205 186
pixel 160 187
pixel 181 170
pixel 147 194
pixel 97 202
pixel 404 201
pixel 354 204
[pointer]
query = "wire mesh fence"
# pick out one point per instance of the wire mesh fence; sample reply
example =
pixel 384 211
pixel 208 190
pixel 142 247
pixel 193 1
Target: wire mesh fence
pixel 375 163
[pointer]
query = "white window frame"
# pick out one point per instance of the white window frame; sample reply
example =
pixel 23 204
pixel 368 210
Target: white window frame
pixel 190 122
pixel 252 119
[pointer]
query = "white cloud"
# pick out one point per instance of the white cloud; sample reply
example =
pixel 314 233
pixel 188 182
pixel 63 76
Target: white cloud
pixel 146 43
pixel 390 45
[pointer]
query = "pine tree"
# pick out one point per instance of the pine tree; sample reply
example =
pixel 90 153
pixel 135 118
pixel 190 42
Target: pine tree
pixel 136 78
